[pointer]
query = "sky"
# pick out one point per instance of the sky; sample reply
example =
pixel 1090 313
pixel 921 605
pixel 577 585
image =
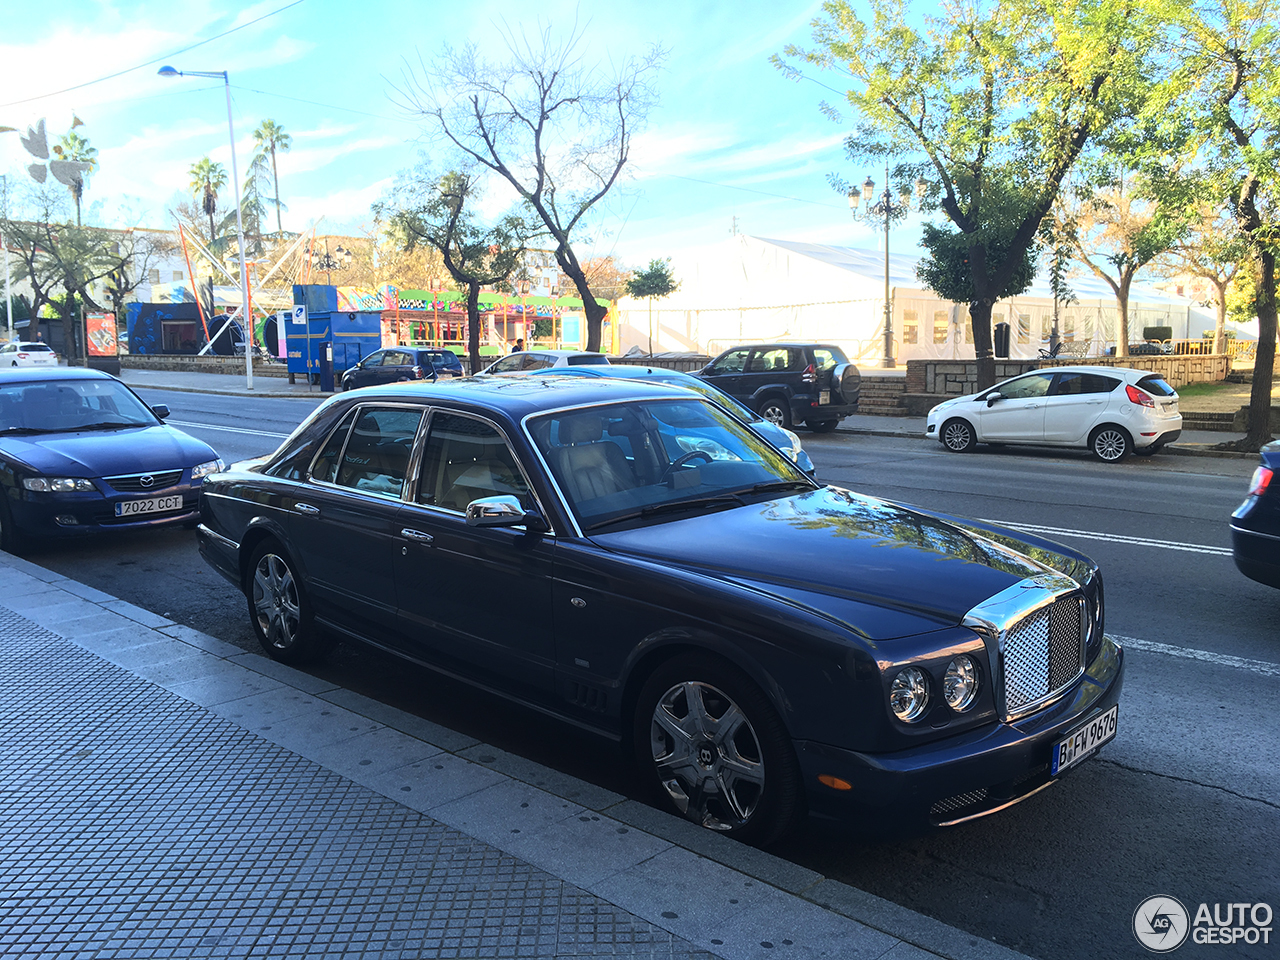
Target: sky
pixel 731 145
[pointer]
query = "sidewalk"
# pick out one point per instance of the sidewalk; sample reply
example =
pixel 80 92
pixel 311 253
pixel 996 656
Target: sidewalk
pixel 1195 443
pixel 168 795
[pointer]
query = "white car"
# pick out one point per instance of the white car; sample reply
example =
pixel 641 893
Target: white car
pixel 529 361
pixel 1112 411
pixel 17 354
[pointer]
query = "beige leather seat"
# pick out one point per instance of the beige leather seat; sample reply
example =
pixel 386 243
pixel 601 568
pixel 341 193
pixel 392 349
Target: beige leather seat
pixel 588 466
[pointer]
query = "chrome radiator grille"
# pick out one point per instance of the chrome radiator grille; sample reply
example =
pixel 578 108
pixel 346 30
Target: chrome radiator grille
pixel 144 482
pixel 1042 653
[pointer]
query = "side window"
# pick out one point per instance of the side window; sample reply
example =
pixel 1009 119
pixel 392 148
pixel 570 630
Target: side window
pixel 376 457
pixel 1074 384
pixel 466 459
pixel 508 364
pixel 325 467
pixel 734 362
pixel 397 358
pixel 1036 385
pixel 374 359
pixel 534 362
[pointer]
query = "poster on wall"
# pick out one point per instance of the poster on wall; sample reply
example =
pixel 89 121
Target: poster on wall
pixel 100 328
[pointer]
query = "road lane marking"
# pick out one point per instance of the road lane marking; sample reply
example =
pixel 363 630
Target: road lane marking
pixel 1113 538
pixel 214 426
pixel 1261 667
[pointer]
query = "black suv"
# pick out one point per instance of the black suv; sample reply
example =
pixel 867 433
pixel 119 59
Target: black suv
pixel 402 363
pixel 788 383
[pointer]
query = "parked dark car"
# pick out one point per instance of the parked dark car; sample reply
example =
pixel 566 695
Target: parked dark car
pixel 763 644
pixel 393 364
pixel 1255 525
pixel 81 453
pixel 788 383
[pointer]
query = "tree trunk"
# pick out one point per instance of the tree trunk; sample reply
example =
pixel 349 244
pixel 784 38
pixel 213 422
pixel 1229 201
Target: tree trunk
pixel 1122 332
pixel 1264 363
pixel 1220 323
pixel 473 325
pixel 980 322
pixel 594 312
pixel 275 184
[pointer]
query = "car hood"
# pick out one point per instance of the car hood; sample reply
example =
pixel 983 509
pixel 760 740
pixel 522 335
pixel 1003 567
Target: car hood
pixel 882 569
pixel 107 453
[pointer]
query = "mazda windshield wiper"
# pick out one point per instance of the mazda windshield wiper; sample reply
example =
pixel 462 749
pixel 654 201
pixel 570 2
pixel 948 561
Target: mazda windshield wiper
pixel 21 430
pixel 111 425
pixel 674 506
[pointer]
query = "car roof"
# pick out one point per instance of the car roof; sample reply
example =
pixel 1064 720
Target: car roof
pixel 518 397
pixel 1127 373
pixel 620 371
pixel 43 374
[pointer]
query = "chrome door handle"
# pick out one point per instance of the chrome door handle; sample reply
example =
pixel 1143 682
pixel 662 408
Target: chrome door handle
pixel 417 535
pixel 307 508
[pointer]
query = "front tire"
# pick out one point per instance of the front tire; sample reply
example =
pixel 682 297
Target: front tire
pixel 715 751
pixel 1110 443
pixel 957 436
pixel 279 608
pixel 777 412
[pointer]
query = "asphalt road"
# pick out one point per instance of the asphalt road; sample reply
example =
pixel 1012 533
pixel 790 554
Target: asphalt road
pixel 1185 802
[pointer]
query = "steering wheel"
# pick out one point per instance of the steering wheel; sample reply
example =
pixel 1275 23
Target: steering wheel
pixel 681 460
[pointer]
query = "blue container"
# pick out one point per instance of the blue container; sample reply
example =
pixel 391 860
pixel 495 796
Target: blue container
pixel 354 335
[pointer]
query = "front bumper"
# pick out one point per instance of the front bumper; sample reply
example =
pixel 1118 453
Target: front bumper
pixel 958 778
pixel 41 516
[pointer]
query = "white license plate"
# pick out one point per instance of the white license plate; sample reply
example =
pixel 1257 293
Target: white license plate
pixel 824 396
pixel 129 508
pixel 1085 741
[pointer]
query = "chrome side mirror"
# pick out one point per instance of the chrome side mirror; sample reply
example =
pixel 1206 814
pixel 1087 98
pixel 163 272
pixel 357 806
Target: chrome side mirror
pixel 993 397
pixel 503 511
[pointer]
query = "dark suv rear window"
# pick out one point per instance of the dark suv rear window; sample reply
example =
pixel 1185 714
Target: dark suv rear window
pixel 1156 386
pixel 827 357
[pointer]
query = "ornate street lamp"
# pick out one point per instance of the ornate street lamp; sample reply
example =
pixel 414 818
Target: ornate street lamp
pixel 890 211
pixel 323 261
pixel 246 321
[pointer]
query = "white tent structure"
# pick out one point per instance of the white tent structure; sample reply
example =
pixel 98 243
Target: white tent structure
pixel 750 288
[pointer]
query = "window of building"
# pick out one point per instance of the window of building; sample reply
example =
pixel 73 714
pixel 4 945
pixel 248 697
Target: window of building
pixel 941 325
pixel 910 326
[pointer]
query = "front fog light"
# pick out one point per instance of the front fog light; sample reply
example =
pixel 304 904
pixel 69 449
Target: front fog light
pixel 960 684
pixel 909 695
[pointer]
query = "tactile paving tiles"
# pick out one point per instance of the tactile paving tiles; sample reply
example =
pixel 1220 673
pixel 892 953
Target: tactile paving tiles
pixel 135 824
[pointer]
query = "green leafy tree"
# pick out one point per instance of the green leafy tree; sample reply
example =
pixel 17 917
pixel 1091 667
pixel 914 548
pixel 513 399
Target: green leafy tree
pixel 270 138
pixel 653 282
pixel 998 99
pixel 437 212
pixel 207 178
pixel 1227 90
pixel 558 129
pixel 1211 250
pixel 72 146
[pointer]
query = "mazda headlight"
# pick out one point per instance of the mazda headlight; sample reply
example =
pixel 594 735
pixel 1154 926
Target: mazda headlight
pixel 960 683
pixel 909 695
pixel 59 485
pixel 206 468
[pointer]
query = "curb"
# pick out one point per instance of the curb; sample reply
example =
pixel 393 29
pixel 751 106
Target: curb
pixel 915 929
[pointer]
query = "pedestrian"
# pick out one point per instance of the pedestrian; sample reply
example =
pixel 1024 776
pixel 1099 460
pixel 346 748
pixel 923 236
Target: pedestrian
pixel 519 347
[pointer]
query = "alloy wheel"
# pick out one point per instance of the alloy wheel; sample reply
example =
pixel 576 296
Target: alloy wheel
pixel 1110 445
pixel 707 755
pixel 275 602
pixel 957 436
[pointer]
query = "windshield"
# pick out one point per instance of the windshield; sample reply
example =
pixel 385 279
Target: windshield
pixel 70 405
pixel 634 461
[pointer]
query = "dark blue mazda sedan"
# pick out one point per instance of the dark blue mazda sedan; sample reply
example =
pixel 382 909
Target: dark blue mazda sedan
pixel 632 558
pixel 80 453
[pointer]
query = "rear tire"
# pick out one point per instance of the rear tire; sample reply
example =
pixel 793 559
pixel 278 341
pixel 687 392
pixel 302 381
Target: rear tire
pixel 776 411
pixel 958 436
pixel 714 750
pixel 279 608
pixel 1110 443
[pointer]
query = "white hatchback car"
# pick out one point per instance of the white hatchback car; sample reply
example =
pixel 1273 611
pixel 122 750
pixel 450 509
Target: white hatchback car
pixel 530 361
pixel 17 354
pixel 1112 411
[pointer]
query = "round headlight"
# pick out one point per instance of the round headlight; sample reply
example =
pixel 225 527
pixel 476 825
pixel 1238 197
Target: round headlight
pixel 909 694
pixel 960 684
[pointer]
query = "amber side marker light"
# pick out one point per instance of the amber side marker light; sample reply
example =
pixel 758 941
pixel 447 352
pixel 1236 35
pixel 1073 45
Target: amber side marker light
pixel 835 783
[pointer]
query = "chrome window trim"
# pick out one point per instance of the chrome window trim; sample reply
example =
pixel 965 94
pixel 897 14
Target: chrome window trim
pixel 409 470
pixel 224 541
pixel 411 491
pixel 993 618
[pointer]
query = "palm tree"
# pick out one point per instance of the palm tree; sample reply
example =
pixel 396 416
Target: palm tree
pixel 72 146
pixel 207 178
pixel 271 137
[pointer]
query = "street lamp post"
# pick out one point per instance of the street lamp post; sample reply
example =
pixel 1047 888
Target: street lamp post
pixel 246 321
pixel 890 211
pixel 327 263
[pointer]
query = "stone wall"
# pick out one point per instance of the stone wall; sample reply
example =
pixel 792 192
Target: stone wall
pixel 1177 369
pixel 233 366
pixel 953 378
pixel 685 363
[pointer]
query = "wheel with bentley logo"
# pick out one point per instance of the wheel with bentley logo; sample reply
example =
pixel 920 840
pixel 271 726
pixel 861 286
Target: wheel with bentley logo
pixel 279 608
